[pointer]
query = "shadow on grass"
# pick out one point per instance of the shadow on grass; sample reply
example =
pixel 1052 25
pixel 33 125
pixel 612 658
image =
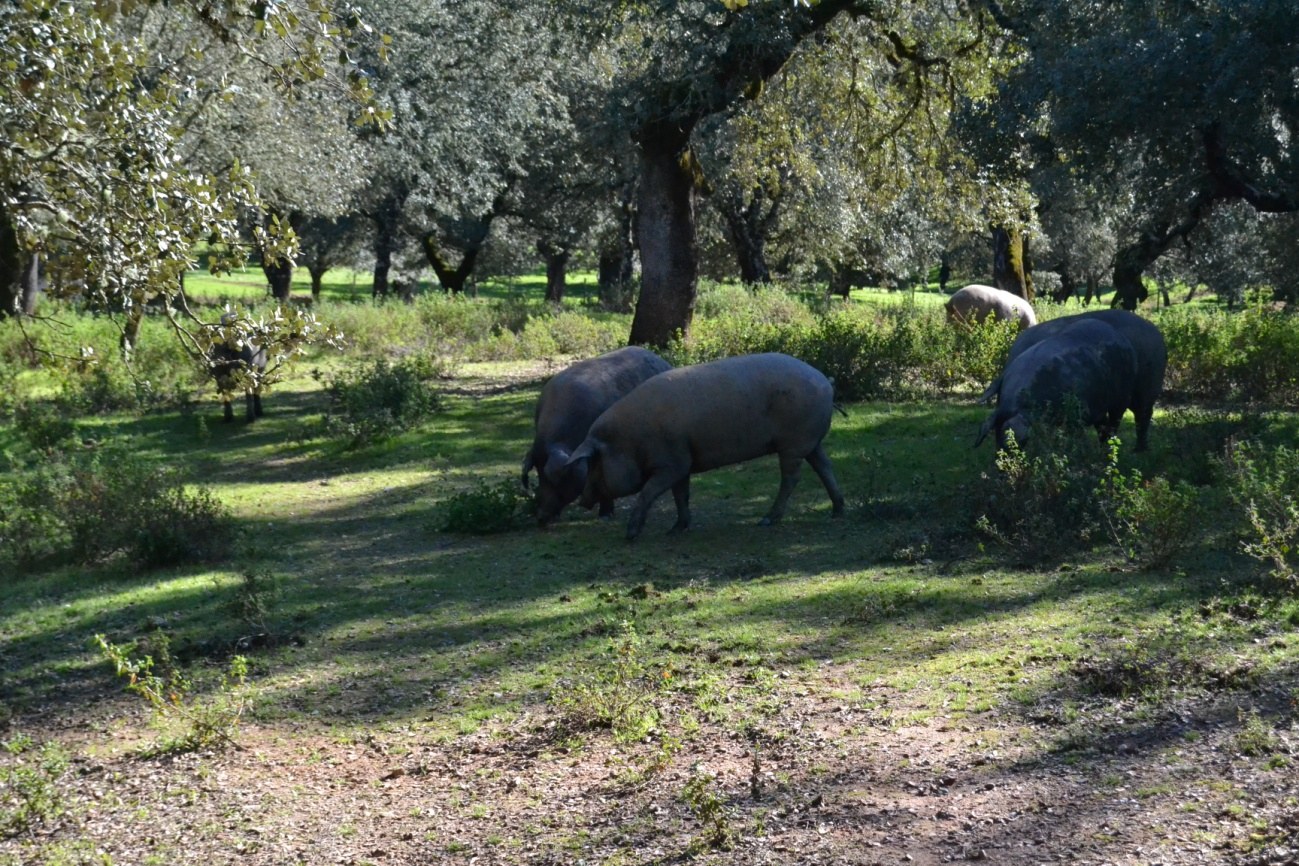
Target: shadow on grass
pixel 398 619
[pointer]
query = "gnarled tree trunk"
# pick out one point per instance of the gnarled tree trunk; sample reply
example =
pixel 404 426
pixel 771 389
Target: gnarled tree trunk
pixel 1012 269
pixel 665 233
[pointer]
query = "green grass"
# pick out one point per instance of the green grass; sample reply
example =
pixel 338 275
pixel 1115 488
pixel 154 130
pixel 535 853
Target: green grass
pixel 400 622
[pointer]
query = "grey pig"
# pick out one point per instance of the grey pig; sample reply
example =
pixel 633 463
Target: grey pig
pixel 1087 361
pixel 693 419
pixel 1146 341
pixel 225 361
pixel 569 402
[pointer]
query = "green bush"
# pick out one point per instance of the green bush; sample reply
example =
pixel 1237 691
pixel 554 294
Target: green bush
pixel 1251 355
pixel 486 509
pixel 381 399
pixel 1041 502
pixel 1151 522
pixel 1264 485
pixel 29 792
pixel 119 504
pixel 95 506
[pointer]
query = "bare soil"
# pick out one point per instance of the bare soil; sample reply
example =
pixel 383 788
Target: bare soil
pixel 819 781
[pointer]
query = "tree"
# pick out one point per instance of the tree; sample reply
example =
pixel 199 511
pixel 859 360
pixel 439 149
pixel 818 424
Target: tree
pixel 91 172
pixel 1167 112
pixel 683 62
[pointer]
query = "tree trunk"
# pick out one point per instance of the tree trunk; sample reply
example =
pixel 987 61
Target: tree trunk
pixel 317 277
pixel 474 238
pixel 280 276
pixel 385 218
pixel 745 226
pixel 1011 266
pixel 1068 285
pixel 617 256
pixel 944 272
pixel 1093 288
pixel 10 268
pixel 665 235
pixel 1129 265
pixel 556 270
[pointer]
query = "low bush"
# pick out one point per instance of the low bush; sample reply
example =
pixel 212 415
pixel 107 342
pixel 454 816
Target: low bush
pixel 1264 485
pixel 93 506
pixel 1151 521
pixel 1041 502
pixel 29 784
pixel 486 509
pixel 381 399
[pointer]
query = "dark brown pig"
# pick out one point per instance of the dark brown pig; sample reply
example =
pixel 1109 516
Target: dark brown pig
pixel 569 402
pixel 1146 341
pixel 1086 363
pixel 693 419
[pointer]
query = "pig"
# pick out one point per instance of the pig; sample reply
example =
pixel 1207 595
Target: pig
pixel 224 361
pixel 693 419
pixel 974 303
pixel 1146 341
pixel 569 402
pixel 1086 361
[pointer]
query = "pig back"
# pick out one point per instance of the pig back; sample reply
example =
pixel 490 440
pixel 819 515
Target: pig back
pixel 722 412
pixel 576 396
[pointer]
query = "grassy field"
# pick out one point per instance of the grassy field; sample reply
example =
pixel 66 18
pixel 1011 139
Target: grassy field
pixel 888 686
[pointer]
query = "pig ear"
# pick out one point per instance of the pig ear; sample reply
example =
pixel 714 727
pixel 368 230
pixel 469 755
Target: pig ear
pixel 556 462
pixel 585 451
pixel 528 463
pixel 984 429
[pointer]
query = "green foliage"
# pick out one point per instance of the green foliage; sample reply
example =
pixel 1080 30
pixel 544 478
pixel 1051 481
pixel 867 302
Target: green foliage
pixel 1153 521
pixel 1041 502
pixel 486 509
pixel 1250 356
pixel 1256 738
pixel 118 503
pixel 618 694
pixel 29 777
pixel 1264 484
pixel 381 399
pixel 899 351
pixel 91 506
pixel 709 807
pixel 151 673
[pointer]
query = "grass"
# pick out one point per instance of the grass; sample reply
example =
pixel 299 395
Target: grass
pixel 379 623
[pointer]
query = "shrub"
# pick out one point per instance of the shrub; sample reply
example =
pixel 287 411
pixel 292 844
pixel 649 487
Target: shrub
pixel 1042 502
pixel 29 792
pixel 617 694
pixel 485 509
pixel 1264 484
pixel 150 673
pixel 1151 522
pixel 117 503
pixel 381 399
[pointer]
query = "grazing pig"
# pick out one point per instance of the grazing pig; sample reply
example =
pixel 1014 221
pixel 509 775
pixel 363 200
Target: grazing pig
pixel 1146 341
pixel 569 402
pixel 225 362
pixel 974 303
pixel 693 419
pixel 1086 361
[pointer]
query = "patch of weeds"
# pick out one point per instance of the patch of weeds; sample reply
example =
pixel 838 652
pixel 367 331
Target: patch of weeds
pixel 1151 522
pixel 1255 739
pixel 709 807
pixel 1155 665
pixel 1264 484
pixel 618 694
pixel 381 400
pixel 29 793
pixel 253 599
pixel 150 673
pixel 486 509
pixel 1041 502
